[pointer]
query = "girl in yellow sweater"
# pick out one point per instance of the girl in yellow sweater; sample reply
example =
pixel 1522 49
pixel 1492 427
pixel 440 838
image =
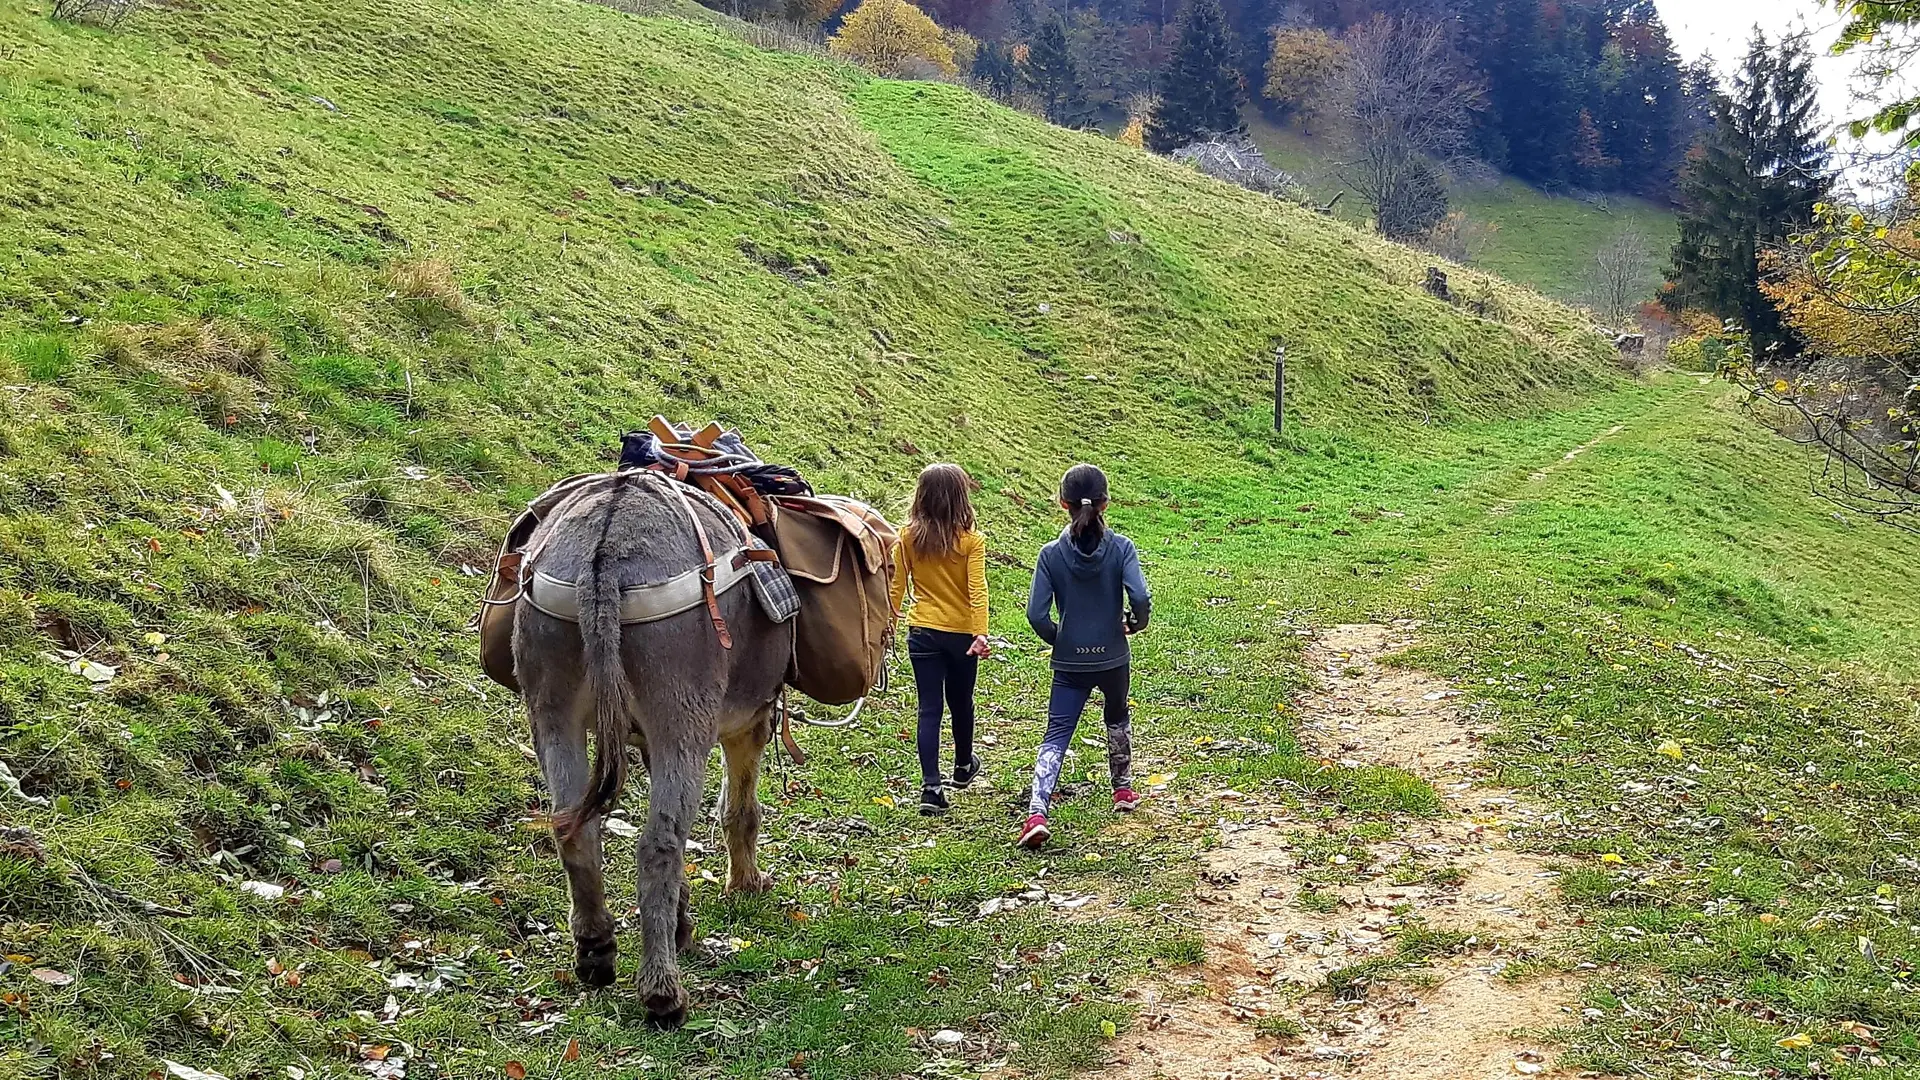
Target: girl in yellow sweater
pixel 942 563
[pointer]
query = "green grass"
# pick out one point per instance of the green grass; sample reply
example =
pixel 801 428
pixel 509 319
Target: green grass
pixel 273 372
pixel 1546 241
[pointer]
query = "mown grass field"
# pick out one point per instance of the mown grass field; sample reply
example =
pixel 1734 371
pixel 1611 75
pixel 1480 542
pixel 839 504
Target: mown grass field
pixel 298 306
pixel 1546 241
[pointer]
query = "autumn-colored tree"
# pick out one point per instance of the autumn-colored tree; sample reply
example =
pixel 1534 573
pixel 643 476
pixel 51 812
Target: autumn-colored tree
pixel 1850 288
pixel 810 12
pixel 892 37
pixel 1851 285
pixel 1134 134
pixel 1303 60
pixel 964 46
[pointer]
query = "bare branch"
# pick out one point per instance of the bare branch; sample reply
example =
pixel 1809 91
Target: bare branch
pixel 1403 100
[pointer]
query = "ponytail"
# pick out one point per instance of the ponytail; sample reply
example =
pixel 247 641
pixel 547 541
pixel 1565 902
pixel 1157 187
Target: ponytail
pixel 1083 490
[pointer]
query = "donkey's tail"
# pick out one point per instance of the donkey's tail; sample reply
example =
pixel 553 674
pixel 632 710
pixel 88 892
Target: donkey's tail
pixel 614 706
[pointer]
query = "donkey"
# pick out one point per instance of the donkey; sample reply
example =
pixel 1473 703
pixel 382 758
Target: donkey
pixel 673 685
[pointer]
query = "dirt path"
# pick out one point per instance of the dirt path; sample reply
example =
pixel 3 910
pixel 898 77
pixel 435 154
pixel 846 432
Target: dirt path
pixel 1262 1005
pixel 1506 505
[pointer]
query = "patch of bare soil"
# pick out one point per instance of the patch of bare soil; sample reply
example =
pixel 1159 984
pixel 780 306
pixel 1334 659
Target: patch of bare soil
pixel 1262 1003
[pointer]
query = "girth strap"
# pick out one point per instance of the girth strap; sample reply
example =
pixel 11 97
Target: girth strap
pixel 706 567
pixel 787 741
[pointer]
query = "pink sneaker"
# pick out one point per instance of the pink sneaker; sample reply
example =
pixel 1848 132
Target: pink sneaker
pixel 1124 800
pixel 1035 833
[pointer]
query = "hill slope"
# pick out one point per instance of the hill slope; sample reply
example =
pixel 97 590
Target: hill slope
pixel 301 300
pixel 1546 241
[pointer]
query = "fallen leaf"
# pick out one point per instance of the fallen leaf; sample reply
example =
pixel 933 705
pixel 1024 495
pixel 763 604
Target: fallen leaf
pixel 1108 1029
pixel 1670 749
pixel 1612 858
pixel 96 673
pixel 883 800
pixel 1798 1041
pixel 573 1051
pixel 1769 918
pixel 52 977
pixel 514 1070
pixel 188 1072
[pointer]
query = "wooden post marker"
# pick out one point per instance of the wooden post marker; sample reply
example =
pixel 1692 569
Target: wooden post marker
pixel 1279 387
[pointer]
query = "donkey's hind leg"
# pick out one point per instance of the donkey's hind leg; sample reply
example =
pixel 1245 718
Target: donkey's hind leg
pixel 560 715
pixel 678 777
pixel 743 751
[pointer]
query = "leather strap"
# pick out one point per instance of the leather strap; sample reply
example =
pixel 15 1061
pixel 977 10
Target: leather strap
pixel 787 742
pixel 706 568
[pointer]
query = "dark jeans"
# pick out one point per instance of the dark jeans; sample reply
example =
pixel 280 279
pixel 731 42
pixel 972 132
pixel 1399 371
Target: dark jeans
pixel 941 667
pixel 1071 689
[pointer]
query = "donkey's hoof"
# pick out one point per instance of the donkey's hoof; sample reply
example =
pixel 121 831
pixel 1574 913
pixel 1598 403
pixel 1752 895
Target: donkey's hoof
pixel 756 882
pixel 666 1011
pixel 593 964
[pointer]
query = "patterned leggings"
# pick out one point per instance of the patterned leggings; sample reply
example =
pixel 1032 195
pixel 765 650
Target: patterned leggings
pixel 1071 689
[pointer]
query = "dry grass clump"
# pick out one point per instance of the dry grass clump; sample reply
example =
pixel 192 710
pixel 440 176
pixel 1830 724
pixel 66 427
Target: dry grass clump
pixel 189 346
pixel 217 363
pixel 428 290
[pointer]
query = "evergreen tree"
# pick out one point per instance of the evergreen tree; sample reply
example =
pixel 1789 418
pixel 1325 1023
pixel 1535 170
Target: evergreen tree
pixel 1200 90
pixel 1049 71
pixel 1756 179
pixel 1640 104
pixel 993 67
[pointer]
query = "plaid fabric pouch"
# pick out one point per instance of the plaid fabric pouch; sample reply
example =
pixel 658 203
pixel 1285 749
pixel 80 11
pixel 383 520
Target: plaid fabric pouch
pixel 774 588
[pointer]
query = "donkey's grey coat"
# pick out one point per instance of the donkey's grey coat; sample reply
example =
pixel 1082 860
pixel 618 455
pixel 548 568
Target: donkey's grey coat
pixel 667 684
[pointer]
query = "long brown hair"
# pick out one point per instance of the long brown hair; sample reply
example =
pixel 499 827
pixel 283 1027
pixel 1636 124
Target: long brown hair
pixel 941 509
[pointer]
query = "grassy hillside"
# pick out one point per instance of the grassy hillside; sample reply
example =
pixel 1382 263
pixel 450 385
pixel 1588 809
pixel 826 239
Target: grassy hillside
pixel 301 300
pixel 1542 240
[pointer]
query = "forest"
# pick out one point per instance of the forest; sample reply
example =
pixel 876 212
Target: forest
pixel 1566 96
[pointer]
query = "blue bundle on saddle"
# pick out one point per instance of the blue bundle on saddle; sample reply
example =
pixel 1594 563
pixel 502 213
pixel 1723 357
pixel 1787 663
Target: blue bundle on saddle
pixel 726 455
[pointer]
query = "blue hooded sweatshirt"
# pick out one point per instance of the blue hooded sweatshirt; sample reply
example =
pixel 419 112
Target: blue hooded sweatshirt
pixel 1089 588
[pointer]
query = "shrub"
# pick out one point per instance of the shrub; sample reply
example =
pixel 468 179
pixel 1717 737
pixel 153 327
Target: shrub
pixel 893 38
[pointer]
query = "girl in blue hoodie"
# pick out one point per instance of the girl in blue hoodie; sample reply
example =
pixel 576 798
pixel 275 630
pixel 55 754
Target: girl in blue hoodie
pixel 1092 575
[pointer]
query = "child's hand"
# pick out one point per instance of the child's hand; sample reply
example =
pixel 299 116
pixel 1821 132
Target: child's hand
pixel 980 647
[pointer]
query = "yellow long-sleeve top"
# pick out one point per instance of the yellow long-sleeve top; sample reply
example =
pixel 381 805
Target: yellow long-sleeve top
pixel 949 591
